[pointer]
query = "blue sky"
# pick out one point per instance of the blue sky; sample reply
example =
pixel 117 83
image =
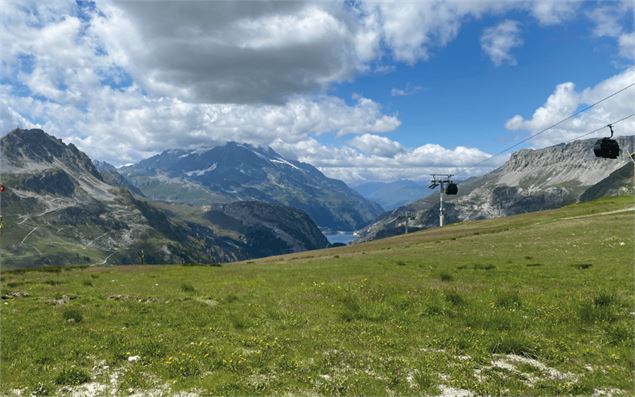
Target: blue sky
pixel 364 90
pixel 464 99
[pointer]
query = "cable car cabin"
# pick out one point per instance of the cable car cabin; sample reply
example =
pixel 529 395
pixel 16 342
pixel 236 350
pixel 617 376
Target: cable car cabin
pixel 452 188
pixel 606 148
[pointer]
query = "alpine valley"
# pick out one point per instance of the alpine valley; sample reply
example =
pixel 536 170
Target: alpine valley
pixel 60 209
pixel 236 201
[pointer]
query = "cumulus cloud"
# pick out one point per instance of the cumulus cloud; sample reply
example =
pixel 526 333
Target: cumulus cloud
pixel 499 40
pixel 236 52
pixel 377 158
pixel 607 20
pixel 566 99
pixel 551 12
pixel 9 117
pixel 137 125
pixel 627 45
pixel 411 29
pixel 376 145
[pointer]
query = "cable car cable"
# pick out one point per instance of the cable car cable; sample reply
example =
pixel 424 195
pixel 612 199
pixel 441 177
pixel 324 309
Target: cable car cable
pixel 601 128
pixel 566 119
pixel 557 124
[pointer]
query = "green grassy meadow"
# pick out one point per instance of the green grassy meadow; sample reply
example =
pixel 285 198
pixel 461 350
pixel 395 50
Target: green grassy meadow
pixel 534 304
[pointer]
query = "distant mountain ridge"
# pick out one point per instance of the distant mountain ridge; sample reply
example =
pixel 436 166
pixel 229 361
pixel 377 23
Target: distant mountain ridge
pixel 241 172
pixel 391 195
pixel 531 180
pixel 59 209
pixel 110 175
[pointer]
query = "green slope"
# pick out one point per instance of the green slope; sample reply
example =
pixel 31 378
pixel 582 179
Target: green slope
pixel 535 304
pixel 619 182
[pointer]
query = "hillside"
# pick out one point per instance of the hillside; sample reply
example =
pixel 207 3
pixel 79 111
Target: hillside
pixel 546 309
pixel 619 182
pixel 240 172
pixel 531 180
pixel 59 209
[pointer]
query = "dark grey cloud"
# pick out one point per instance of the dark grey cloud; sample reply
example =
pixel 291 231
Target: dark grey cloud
pixel 233 52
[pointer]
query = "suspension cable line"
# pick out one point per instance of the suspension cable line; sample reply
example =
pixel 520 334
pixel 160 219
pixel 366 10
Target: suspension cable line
pixel 530 137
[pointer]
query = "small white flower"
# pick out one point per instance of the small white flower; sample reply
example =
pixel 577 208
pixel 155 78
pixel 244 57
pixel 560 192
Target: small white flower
pixel 132 359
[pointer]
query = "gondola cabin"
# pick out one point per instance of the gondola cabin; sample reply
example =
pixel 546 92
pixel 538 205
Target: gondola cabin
pixel 606 148
pixel 452 188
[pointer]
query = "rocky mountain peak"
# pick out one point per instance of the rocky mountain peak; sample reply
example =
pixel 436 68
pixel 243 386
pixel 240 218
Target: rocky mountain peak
pixel 35 149
pixel 242 172
pixel 34 161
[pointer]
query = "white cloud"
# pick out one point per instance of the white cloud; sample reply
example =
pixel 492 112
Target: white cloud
pixel 560 104
pixel 411 29
pixel 138 126
pixel 607 20
pixel 371 157
pixel 552 12
pixel 565 100
pixel 627 45
pixel 406 91
pixel 376 145
pixel 499 40
pixel 10 119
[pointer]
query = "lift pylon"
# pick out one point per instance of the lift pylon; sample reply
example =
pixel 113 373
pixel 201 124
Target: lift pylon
pixel 443 181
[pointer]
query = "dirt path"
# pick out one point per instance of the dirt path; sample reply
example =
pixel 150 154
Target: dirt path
pixel 601 213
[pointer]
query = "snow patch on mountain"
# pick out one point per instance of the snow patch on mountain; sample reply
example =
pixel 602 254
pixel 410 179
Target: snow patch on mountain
pixel 285 162
pixel 202 172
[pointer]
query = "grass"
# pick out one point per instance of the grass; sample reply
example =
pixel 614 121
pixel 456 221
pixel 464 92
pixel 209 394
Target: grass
pixel 187 287
pixel 379 319
pixel 446 277
pixel 72 315
pixel 72 377
pixel 508 299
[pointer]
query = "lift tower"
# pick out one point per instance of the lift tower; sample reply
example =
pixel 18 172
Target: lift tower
pixel 446 186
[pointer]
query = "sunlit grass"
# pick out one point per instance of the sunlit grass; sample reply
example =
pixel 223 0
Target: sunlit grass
pixel 408 315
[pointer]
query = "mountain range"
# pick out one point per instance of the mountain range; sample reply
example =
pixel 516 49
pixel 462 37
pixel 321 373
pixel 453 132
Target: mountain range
pixel 59 208
pixel 531 180
pixel 228 203
pixel 240 172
